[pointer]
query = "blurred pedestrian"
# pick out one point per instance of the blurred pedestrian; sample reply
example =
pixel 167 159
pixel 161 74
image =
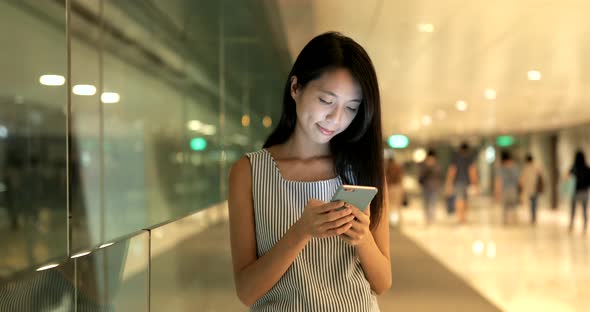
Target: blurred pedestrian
pixel 581 172
pixel 531 185
pixel 461 175
pixel 394 175
pixel 430 180
pixel 506 187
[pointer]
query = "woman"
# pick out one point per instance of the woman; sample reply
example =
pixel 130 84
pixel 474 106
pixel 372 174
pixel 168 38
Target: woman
pixel 292 249
pixel 581 173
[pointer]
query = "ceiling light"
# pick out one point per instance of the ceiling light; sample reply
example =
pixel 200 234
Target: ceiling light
pixel 85 90
pixel 426 120
pixel 534 75
pixel 52 80
pixel 110 97
pixel 461 106
pixel 426 28
pixel 490 94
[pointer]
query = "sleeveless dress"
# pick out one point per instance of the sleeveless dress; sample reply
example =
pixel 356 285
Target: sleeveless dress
pixel 327 274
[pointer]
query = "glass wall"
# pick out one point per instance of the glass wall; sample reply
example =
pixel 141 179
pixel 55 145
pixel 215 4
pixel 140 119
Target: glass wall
pixel 117 117
pixel 33 97
pixel 113 278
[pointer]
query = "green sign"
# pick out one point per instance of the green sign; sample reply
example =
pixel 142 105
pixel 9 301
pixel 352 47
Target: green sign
pixel 398 141
pixel 504 140
pixel 198 144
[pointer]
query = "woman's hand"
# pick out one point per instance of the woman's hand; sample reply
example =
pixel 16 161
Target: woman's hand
pixel 360 231
pixel 321 219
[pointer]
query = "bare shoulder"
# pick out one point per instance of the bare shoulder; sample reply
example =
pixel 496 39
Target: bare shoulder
pixel 240 170
pixel 240 185
pixel 240 182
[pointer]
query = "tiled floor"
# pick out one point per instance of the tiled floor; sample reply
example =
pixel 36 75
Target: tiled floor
pixel 519 267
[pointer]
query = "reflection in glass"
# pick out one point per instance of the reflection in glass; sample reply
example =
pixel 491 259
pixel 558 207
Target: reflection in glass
pixel 85 164
pixel 115 278
pixel 109 279
pixel 33 222
pixel 52 80
pixel 157 91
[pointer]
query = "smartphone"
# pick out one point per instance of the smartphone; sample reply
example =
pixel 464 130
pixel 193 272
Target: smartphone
pixel 359 196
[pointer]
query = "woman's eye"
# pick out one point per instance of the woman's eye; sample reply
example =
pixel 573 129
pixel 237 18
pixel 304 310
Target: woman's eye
pixel 324 101
pixel 352 109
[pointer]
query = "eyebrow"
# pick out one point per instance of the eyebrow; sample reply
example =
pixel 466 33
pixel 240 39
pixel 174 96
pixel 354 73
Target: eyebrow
pixel 334 95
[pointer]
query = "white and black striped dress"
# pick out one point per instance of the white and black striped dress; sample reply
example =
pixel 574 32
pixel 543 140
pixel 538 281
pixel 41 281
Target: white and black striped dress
pixel 327 274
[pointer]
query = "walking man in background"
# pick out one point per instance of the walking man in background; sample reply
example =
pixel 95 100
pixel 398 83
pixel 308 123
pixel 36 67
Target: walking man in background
pixel 462 173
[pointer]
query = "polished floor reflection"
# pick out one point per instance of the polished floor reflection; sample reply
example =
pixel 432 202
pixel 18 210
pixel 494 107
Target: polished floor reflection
pixel 481 266
pixel 196 272
pixel 519 267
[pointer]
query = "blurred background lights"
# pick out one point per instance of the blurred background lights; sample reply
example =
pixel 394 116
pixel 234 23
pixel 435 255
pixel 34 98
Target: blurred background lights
pixel 84 90
pixel 425 28
pixel 419 155
pixel 110 97
pixel 461 106
pixel 267 122
pixel 52 80
pixel 398 141
pixel 246 120
pixel 534 75
pixel 198 144
pixel 490 94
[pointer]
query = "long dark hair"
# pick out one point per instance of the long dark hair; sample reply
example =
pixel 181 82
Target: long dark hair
pixel 358 150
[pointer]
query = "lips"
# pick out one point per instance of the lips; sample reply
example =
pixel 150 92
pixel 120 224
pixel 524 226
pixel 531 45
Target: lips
pixel 326 131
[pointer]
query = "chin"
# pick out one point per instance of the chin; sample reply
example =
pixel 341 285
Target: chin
pixel 324 139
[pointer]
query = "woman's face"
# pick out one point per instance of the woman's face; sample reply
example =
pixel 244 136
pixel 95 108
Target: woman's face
pixel 327 105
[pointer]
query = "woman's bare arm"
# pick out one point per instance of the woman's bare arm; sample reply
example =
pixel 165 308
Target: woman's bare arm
pixel 255 276
pixel 374 254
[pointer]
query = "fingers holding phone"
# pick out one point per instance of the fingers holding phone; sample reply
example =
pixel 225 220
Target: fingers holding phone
pixel 360 228
pixel 321 219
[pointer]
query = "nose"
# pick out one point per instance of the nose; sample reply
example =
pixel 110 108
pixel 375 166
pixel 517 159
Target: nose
pixel 334 116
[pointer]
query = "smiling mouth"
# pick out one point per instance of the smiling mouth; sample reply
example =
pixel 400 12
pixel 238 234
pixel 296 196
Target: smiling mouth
pixel 325 131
